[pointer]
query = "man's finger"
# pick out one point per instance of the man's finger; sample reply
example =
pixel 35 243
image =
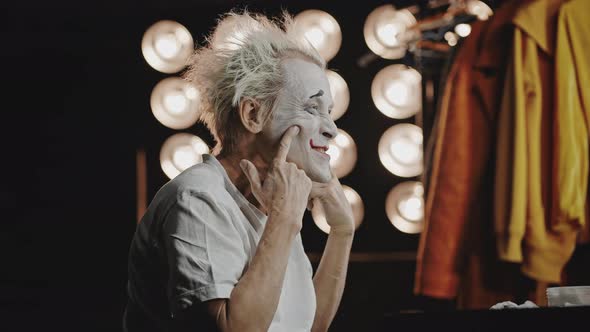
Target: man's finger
pixel 285 143
pixel 252 174
pixel 318 190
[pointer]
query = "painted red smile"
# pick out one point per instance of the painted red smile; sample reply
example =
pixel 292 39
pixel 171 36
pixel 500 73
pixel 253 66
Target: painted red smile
pixel 318 148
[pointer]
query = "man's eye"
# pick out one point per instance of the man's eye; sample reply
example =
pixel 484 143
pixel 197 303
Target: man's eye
pixel 312 109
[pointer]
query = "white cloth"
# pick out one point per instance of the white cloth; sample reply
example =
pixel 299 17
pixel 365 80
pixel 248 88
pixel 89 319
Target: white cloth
pixel 196 241
pixel 511 305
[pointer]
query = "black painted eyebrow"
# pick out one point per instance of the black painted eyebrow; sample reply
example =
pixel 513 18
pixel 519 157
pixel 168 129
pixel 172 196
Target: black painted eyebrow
pixel 319 94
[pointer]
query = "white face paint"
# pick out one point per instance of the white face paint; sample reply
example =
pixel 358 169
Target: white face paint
pixel 305 101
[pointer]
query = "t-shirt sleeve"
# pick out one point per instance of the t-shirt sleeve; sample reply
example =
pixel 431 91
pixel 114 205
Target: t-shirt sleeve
pixel 204 251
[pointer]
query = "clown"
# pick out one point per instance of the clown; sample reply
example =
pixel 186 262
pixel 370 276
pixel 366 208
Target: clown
pixel 219 247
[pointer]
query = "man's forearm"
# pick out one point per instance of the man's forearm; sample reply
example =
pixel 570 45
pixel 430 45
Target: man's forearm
pixel 255 298
pixel 330 278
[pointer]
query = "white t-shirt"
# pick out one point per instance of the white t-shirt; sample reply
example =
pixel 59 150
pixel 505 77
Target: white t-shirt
pixel 196 241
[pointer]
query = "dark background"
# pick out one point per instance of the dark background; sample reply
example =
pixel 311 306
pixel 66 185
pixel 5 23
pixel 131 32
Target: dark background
pixel 75 99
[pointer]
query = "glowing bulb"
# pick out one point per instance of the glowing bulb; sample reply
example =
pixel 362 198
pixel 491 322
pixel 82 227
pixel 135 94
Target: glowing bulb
pixel 342 140
pixel 351 196
pixel 334 152
pixel 463 29
pixel 340 94
pixel 397 91
pixel 175 102
pixel 451 38
pixel 419 191
pixel 405 150
pixel 400 150
pixel 321 30
pixel 181 151
pixel 329 26
pixel 343 154
pixel 479 9
pixel 383 28
pixel 404 206
pixel 315 36
pixel 199 146
pixel 167 46
pixel 411 209
pixel 387 34
pixel 184 157
pixel 182 37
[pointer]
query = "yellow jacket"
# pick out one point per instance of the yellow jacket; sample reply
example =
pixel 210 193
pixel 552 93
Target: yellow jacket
pixel 571 122
pixel 539 203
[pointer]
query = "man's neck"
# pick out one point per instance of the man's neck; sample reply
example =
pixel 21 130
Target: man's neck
pixel 231 164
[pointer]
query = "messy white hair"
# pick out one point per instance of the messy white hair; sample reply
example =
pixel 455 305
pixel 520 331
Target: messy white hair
pixel 242 59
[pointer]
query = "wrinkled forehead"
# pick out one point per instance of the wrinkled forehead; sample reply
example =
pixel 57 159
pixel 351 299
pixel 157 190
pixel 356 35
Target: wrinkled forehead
pixel 304 79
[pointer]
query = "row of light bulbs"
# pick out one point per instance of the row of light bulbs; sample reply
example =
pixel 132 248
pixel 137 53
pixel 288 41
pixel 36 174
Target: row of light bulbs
pixel 166 45
pixel 395 90
pixel 400 151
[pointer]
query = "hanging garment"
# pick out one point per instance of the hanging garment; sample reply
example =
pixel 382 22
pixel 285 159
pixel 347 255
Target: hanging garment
pixel 523 193
pixel 571 122
pixel 458 227
pixel 439 250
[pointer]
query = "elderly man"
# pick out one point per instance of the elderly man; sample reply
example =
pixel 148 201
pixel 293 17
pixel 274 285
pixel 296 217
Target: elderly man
pixel 219 247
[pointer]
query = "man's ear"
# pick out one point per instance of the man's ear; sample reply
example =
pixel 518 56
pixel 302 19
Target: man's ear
pixel 251 115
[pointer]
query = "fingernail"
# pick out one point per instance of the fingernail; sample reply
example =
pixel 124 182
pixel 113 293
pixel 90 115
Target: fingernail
pixel 243 164
pixel 296 130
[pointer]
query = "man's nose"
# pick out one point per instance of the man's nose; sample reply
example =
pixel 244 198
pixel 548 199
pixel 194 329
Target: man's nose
pixel 329 129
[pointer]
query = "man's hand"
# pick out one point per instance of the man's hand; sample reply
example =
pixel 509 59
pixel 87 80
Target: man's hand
pixel 286 188
pixel 330 275
pixel 336 207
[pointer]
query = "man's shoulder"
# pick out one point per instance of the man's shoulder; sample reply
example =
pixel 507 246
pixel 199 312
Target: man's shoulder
pixel 201 180
pixel 200 177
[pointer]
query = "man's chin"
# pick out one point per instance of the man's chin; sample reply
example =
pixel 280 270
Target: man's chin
pixel 320 177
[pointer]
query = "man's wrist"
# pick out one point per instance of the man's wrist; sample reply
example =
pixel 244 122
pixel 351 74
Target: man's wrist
pixel 285 220
pixel 342 231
